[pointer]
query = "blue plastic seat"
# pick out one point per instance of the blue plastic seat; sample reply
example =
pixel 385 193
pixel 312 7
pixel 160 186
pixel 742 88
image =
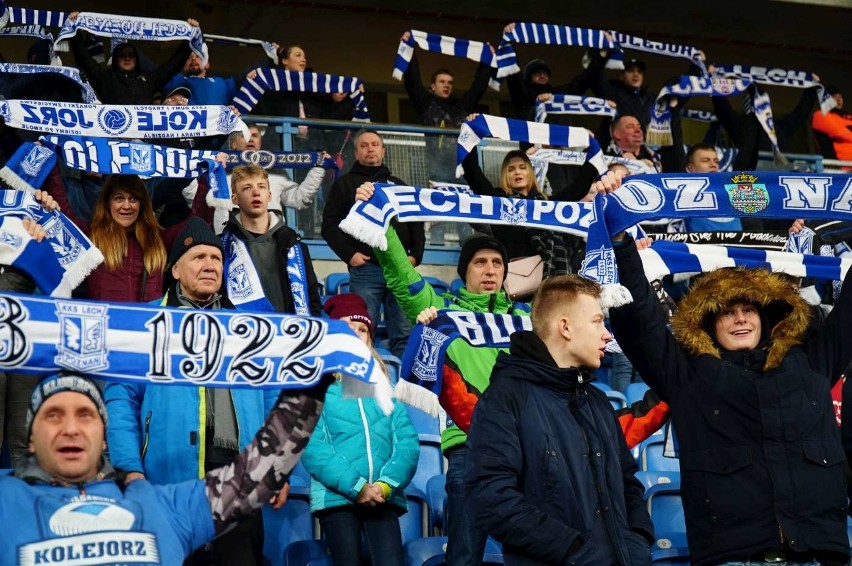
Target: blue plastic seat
pixel 666 510
pixel 616 399
pixel 635 392
pixel 337 283
pixel 436 494
pixel 307 553
pixel 393 364
pixel 293 522
pixel 651 456
pixel 415 523
pixel 440 287
pixel 601 385
pixel 455 285
pixel 431 552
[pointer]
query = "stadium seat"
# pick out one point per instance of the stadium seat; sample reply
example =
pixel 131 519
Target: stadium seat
pixel 616 399
pixel 635 392
pixel 337 283
pixel 436 495
pixel 393 364
pixel 651 456
pixel 666 510
pixel 307 553
pixel 601 385
pixel 650 478
pixel 456 284
pixel 415 523
pixel 293 522
pixel 431 552
pixel 440 287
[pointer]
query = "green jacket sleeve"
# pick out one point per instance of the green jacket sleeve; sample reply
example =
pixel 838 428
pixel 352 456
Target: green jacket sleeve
pixel 412 292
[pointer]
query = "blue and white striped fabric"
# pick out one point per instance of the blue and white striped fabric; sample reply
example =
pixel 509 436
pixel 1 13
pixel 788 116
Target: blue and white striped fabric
pixel 57 264
pixel 300 81
pixel 779 77
pixel 267 47
pixel 130 28
pixel 446 45
pixel 487 126
pixel 665 258
pixel 72 73
pixel 546 34
pixel 573 104
pixel 28 16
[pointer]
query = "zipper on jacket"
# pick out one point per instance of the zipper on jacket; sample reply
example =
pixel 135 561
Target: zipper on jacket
pixel 780 532
pixel 491 301
pixel 368 443
pixel 147 436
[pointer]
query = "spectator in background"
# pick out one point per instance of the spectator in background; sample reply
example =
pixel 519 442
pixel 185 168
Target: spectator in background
pixel 174 434
pixel 437 107
pixel 628 141
pixel 268 243
pixel 834 129
pixel 703 158
pixel 124 82
pixel 548 473
pixel 360 461
pixel 204 89
pixel 366 278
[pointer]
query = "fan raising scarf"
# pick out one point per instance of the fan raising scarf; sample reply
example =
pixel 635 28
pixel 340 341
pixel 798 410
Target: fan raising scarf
pixel 57 264
pixel 572 104
pixel 484 125
pixel 779 77
pixel 368 221
pixel 542 159
pixel 423 360
pixel 758 194
pixel 114 120
pixel 300 81
pixel 243 282
pixel 625 41
pixel 71 73
pixel 141 344
pixel 446 45
pixel 130 28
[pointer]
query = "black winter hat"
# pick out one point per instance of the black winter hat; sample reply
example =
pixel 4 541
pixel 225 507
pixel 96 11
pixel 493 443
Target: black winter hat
pixel 196 233
pixel 533 67
pixel 480 242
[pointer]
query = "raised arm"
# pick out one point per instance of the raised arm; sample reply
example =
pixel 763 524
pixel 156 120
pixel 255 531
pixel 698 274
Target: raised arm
pixel 477 180
pixel 471 98
pixel 299 196
pixel 258 472
pixel 414 86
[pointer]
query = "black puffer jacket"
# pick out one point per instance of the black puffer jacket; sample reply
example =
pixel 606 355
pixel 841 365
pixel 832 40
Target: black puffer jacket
pixel 548 471
pixel 761 460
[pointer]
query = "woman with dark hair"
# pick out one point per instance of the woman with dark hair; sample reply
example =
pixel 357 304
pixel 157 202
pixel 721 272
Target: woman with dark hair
pixel 517 180
pixel 126 231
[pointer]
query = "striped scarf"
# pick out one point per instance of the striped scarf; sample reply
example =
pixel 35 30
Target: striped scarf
pixel 572 104
pixel 301 81
pixel 27 16
pixel 476 51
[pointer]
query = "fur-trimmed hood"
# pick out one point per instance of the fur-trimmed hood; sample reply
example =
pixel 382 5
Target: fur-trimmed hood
pixel 784 314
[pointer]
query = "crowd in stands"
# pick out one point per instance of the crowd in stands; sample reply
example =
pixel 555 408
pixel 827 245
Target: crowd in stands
pixel 741 369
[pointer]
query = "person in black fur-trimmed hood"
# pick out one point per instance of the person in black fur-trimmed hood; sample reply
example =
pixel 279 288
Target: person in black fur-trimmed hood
pixel 748 382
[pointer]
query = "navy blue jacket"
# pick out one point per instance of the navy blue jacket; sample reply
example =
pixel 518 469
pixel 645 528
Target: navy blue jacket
pixel 548 471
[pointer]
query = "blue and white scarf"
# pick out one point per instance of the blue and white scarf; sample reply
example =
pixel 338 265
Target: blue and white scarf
pixel 754 194
pixel 300 81
pixel 243 282
pixel 476 51
pixel 485 126
pixel 57 264
pixel 698 115
pixel 423 360
pixel 71 73
pixel 546 34
pixel 27 16
pixel 626 41
pixel 279 159
pixel 141 344
pixel 130 28
pixel 109 157
pixel 267 46
pixel 665 258
pixel 779 77
pixel 368 221
pixel 114 120
pixel 542 159
pixel 33 31
pixel 572 104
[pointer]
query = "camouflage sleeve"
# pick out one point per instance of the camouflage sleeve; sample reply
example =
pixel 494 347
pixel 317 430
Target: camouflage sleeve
pixel 260 470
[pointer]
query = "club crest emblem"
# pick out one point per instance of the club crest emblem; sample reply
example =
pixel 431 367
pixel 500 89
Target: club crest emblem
pixel 140 158
pixel 513 211
pixel 114 120
pixel 746 195
pixel 599 265
pixel 82 345
pixel 425 366
pixel 34 160
pixel 238 281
